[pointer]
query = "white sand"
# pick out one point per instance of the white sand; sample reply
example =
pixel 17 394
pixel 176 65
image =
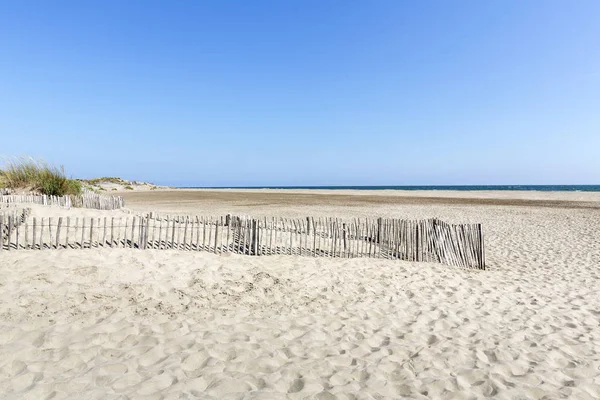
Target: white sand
pixel 474 194
pixel 121 323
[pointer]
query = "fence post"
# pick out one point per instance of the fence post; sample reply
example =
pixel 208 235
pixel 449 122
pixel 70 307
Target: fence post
pixel 253 244
pixel 481 248
pixel 60 220
pixel 1 232
pixel 10 226
pixel 344 237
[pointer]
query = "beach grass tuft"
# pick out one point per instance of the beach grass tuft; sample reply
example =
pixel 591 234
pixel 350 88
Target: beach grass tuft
pixel 36 175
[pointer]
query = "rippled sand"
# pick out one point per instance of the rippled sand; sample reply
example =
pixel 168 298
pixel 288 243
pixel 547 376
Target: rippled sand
pixel 120 323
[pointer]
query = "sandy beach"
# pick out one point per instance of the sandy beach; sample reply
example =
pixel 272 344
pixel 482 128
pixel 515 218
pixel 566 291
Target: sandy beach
pixel 164 324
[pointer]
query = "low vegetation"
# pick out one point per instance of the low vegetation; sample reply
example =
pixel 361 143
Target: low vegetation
pixel 105 179
pixel 106 183
pixel 30 174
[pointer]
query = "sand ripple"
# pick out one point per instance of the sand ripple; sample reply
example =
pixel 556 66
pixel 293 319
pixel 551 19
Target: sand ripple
pixel 165 325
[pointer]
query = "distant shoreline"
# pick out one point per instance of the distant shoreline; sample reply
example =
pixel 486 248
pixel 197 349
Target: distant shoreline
pixel 539 188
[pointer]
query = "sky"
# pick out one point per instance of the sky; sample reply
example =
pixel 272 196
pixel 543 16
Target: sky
pixel 276 93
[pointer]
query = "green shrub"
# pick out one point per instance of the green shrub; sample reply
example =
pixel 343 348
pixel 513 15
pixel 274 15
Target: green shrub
pixel 128 187
pixel 27 173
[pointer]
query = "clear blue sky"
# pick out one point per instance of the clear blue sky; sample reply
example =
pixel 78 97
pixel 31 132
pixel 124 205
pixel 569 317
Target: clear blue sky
pixel 305 92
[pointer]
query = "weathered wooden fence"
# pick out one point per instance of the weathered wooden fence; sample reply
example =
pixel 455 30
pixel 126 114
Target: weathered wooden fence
pixel 86 200
pixel 14 219
pixel 426 240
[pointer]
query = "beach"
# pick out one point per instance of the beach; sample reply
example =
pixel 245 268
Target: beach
pixel 167 324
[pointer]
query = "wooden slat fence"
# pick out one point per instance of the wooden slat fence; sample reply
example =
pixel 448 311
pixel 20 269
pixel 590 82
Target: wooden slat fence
pixel 86 200
pixel 429 240
pixel 14 219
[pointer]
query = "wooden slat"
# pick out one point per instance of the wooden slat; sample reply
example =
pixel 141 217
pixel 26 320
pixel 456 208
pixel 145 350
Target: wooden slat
pixel 161 244
pixel 462 235
pixel 104 233
pixel 331 243
pixel 480 243
pixel 360 240
pixel 1 232
pixel 468 231
pixel 344 240
pixel 178 222
pixel 288 226
pixel 333 236
pixel 26 239
pixel 197 229
pixel 228 222
pixel 253 237
pixel 33 243
pixel 276 234
pixel 132 242
pixel 203 234
pixel 355 246
pixel 370 237
pixel 60 221
pixel 10 228
pixel 192 230
pixel 271 232
pixel 174 224
pixel 17 222
pixel 140 233
pixel 210 238
pixel 337 232
pixel 82 244
pixel 220 234
pixel 42 240
pixel 185 233
pixel 391 238
pixel 244 237
pixel 91 232
pixel 298 235
pixel 249 237
pixel 316 233
pixel 210 235
pixel 147 233
pixel 125 241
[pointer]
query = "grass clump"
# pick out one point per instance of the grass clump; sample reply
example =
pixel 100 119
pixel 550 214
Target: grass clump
pixel 128 187
pixel 28 173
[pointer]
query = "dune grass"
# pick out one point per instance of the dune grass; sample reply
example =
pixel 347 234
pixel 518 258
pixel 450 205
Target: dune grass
pixel 28 173
pixel 105 179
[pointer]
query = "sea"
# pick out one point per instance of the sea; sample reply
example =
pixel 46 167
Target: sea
pixel 540 188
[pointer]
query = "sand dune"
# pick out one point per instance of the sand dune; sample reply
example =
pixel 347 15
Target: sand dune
pixel 122 323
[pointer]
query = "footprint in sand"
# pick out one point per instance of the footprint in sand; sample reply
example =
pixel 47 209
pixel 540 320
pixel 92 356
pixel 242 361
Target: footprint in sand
pixel 296 386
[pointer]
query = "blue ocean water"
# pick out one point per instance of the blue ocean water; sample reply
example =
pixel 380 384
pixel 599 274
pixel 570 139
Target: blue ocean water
pixel 541 188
